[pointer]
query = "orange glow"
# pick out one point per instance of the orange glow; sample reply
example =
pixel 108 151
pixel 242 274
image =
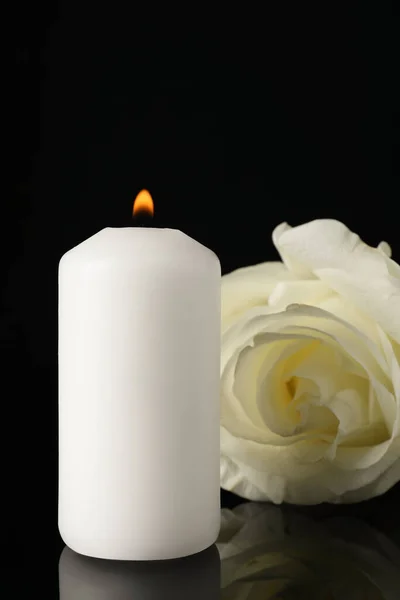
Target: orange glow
pixel 143 204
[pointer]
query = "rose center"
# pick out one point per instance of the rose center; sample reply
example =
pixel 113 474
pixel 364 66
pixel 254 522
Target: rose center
pixel 291 386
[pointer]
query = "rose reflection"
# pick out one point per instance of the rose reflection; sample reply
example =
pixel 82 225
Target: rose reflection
pixel 196 578
pixel 272 552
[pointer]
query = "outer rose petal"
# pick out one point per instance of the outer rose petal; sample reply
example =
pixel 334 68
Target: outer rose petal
pixel 328 250
pixel 309 484
pixel 249 286
pixel 378 487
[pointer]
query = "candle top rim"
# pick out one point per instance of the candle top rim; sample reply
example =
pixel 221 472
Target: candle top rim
pixel 139 228
pixel 149 241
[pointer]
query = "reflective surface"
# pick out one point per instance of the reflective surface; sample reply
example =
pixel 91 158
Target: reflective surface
pixel 270 552
pixel 263 552
pixel 195 577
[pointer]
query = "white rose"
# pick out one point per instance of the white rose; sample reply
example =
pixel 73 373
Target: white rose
pixel 310 373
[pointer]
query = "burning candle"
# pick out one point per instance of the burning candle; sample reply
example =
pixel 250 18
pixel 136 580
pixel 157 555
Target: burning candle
pixel 139 351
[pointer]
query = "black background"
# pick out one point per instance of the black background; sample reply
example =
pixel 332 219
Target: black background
pixel 234 120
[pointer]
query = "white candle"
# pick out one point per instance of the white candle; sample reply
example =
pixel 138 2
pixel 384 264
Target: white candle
pixel 139 348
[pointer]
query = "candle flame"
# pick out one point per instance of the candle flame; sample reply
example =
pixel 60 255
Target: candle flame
pixel 143 204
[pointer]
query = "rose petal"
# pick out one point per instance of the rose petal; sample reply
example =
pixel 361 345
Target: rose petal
pixel 328 250
pixel 379 486
pixel 294 265
pixel 385 248
pixel 299 292
pixel 269 473
pixel 249 286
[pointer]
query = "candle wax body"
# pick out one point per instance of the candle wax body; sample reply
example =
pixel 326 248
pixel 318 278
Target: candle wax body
pixel 139 354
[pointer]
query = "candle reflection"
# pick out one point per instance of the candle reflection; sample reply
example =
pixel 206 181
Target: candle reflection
pixel 196 577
